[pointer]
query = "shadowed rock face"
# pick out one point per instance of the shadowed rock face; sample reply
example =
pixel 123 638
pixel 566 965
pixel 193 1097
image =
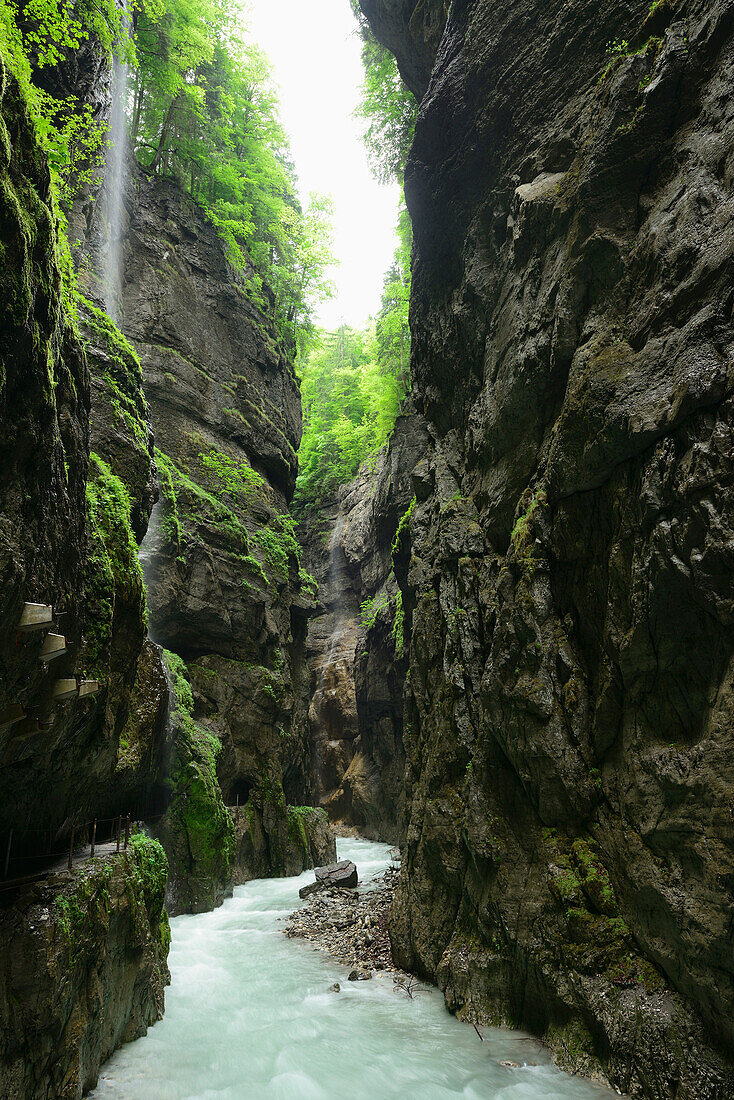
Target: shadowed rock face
pixel 286 845
pixel 52 771
pixel 567 583
pixel 330 646
pixel 356 709
pixel 82 970
pixel 412 31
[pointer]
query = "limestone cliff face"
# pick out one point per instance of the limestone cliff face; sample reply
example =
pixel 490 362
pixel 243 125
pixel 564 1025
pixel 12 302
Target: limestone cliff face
pixel 333 630
pixel 355 642
pixel 567 582
pixel 66 536
pixel 225 591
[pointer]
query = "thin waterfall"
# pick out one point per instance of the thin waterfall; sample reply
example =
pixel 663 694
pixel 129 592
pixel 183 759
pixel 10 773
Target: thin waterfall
pixel 113 189
pixel 148 552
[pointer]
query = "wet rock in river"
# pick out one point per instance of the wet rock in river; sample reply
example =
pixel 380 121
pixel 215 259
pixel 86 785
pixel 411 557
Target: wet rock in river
pixel 343 874
pixel 360 974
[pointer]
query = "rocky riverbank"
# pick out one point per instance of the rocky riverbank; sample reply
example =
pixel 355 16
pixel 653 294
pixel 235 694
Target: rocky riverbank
pixel 350 925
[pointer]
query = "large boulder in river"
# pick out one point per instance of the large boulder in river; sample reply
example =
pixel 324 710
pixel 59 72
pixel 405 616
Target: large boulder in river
pixel 343 873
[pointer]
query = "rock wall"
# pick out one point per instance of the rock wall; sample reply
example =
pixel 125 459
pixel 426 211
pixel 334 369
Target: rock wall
pixel 355 643
pixel 83 958
pixel 44 446
pixel 82 970
pixel 566 582
pixel 67 520
pixel 307 841
pixel 331 641
pixel 225 588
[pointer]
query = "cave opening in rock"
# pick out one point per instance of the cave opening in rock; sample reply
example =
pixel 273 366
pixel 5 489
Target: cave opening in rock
pixel 239 792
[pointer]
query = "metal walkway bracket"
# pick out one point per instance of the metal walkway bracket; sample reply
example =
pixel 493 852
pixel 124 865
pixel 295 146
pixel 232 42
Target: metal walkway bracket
pixel 64 690
pixel 88 687
pixel 54 646
pixel 36 616
pixel 11 716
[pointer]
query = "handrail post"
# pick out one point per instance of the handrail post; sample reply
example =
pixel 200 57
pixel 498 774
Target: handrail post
pixel 94 836
pixel 127 831
pixel 71 848
pixel 119 826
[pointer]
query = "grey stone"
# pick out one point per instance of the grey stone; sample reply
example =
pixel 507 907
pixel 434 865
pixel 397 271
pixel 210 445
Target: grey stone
pixel 360 974
pixel 343 873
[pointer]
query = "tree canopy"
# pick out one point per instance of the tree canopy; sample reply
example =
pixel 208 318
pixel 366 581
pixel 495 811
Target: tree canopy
pixel 386 107
pixel 204 111
pixel 353 384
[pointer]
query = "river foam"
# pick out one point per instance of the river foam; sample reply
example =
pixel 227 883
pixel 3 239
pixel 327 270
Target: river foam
pixel 249 1015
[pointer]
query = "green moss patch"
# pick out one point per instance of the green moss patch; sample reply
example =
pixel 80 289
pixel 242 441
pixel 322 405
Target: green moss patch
pixel 114 576
pixel 201 828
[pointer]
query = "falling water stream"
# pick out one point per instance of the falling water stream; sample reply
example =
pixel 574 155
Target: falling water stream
pixel 114 183
pixel 249 1015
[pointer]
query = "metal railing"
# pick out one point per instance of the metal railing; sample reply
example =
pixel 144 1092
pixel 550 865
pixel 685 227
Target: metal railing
pixel 119 836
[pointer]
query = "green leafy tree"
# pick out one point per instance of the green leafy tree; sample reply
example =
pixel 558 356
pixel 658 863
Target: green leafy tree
pixel 386 107
pixel 352 385
pixel 205 112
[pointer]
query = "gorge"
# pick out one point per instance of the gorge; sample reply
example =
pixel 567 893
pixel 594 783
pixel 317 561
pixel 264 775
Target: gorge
pixel 502 641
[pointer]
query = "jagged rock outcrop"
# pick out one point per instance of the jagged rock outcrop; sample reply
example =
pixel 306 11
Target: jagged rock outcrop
pixel 331 641
pixel 567 580
pixel 371 793
pixel 82 970
pixel 411 30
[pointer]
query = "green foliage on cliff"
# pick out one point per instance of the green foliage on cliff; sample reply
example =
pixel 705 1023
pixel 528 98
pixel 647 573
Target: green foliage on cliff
pixel 200 828
pixel 204 111
pixel 386 107
pixel 82 910
pixel 301 821
pixel 235 479
pixel 35 36
pixel 150 867
pixel 353 385
pixel 114 576
pixel 122 371
pixel 403 527
pixel 277 544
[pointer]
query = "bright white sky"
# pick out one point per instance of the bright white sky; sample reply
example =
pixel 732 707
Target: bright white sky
pixel 316 55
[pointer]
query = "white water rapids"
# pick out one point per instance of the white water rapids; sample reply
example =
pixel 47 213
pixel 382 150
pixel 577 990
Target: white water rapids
pixel 249 1015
